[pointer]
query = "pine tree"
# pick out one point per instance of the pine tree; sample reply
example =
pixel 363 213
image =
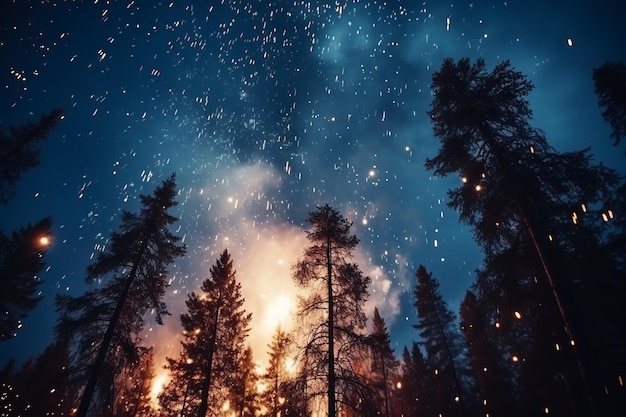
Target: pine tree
pixel 442 343
pixel 21 259
pixel 535 213
pixel 244 396
pixel 415 383
pixel 215 328
pixel 19 151
pixel 40 387
pixel 133 398
pixel 105 322
pixel 331 313
pixel 276 376
pixel 609 81
pixel 493 380
pixel 384 364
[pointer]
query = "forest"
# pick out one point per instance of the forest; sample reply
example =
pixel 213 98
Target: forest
pixel 540 332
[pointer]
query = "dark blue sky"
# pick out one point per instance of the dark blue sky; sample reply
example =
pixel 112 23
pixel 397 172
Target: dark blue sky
pixel 265 110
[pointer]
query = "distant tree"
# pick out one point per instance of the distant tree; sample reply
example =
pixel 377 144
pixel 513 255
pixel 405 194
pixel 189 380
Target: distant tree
pixel 535 213
pixel 384 364
pixel 442 342
pixel 494 383
pixel 610 86
pixel 19 151
pixel 276 375
pixel 134 396
pixel 215 328
pixel 105 321
pixel 40 387
pixel 415 382
pixel 331 313
pixel 21 259
pixel 244 396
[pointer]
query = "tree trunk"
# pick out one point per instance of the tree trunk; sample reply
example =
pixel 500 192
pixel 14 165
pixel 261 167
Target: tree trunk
pixel 206 384
pixel 108 337
pixel 331 339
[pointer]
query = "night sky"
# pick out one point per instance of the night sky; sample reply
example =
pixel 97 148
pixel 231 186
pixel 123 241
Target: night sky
pixel 266 109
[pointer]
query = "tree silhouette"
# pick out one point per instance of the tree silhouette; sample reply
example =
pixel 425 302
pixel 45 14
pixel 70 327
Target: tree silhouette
pixel 442 343
pixel 610 86
pixel 40 387
pixel 276 376
pixel 415 383
pixel 331 311
pixel 21 259
pixel 493 379
pixel 19 151
pixel 104 321
pixel 535 214
pixel 244 397
pixel 215 328
pixel 384 364
pixel 133 398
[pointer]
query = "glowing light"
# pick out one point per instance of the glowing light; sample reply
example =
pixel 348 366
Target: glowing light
pixel 583 207
pixel 497 325
pixel 546 410
pixel 514 358
pixel 464 180
pixel 399 384
pixel 557 347
pixel 478 187
pixel 158 383
pixel 290 365
pixel 44 240
pixel 518 315
pixel 277 311
pixel 570 42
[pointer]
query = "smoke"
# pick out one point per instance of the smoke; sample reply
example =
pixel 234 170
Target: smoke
pixel 262 255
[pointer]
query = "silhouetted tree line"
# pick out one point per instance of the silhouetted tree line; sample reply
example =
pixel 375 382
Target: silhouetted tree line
pixel 540 332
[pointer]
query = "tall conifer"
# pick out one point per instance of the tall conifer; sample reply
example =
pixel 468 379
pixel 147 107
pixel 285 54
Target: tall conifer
pixel 215 328
pixel 331 311
pixel 104 323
